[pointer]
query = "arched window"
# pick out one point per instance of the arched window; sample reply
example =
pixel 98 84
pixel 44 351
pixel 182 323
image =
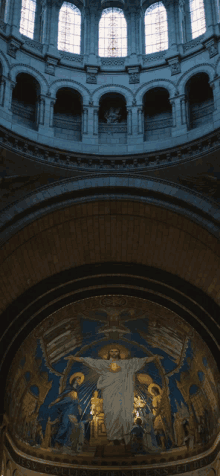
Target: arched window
pixel 69 28
pixel 112 33
pixel 27 18
pixel 197 15
pixel 156 28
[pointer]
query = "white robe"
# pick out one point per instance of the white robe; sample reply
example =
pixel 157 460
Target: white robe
pixel 117 393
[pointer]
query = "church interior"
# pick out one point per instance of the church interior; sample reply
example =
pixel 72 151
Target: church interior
pixel 109 231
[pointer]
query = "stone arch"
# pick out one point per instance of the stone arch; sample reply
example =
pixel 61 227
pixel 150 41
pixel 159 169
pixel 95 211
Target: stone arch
pixel 74 85
pixel 162 83
pixel 21 68
pixel 202 68
pixel 112 88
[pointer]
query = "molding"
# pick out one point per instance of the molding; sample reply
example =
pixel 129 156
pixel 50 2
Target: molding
pixel 76 467
pixel 146 161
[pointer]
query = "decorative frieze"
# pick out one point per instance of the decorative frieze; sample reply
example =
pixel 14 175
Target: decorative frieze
pixel 71 57
pixel 33 44
pixel 112 61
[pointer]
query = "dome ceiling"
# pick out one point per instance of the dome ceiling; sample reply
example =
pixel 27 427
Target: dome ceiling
pixel 113 376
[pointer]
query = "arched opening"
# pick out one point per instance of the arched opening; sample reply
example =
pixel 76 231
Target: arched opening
pixel 112 33
pixel 156 28
pixel 68 115
pixel 200 100
pixel 69 28
pixel 25 100
pixel 112 119
pixel 157 114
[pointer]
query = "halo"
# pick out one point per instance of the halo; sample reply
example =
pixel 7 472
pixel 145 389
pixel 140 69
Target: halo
pixel 124 353
pixel 154 385
pixel 77 374
pixel 144 378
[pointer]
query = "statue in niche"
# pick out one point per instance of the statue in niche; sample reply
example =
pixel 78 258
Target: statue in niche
pixel 113 115
pixel 116 380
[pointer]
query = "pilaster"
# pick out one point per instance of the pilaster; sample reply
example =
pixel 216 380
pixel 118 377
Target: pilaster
pixel 179 115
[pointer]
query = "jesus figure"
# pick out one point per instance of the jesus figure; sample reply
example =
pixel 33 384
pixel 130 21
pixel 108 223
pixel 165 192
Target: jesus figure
pixel 116 380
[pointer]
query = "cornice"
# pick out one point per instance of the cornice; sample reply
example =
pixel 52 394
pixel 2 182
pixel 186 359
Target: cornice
pixel 97 163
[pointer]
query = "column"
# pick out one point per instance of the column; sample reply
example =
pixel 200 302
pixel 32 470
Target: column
pixel 216 98
pixel 95 121
pixel 52 102
pixel 52 24
pixel 182 22
pixel 40 110
pixel 132 30
pixel 172 37
pixel 179 115
pixel 140 120
pixel 209 17
pixel 2 90
pixel 85 120
pixel 129 121
pixel 16 17
pixel 173 104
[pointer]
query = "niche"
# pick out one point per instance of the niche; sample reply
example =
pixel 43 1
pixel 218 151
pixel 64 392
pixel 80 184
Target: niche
pixel 157 114
pixel 68 115
pixel 200 103
pixel 25 100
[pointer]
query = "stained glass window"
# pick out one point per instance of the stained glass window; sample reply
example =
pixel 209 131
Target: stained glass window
pixel 112 33
pixel 197 14
pixel 156 29
pixel 27 18
pixel 69 28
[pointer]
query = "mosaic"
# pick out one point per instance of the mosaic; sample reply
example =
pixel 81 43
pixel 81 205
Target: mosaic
pixel 112 376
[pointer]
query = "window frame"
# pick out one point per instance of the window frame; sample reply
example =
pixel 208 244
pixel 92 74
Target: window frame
pixel 146 7
pixel 126 22
pixel 23 8
pixel 191 22
pixel 73 35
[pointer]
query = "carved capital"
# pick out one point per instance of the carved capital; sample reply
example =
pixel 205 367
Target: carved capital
pixel 134 74
pixel 91 74
pixel 212 46
pixel 13 47
pixel 175 65
pixel 50 65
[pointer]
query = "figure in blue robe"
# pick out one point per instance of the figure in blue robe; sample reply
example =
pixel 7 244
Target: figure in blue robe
pixel 68 406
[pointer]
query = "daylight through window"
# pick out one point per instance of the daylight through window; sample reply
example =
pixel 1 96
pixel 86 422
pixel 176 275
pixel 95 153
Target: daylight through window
pixel 69 28
pixel 112 33
pixel 197 13
pixel 27 18
pixel 156 29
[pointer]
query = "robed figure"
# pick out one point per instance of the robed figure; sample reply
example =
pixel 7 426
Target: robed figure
pixel 116 380
pixel 69 408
